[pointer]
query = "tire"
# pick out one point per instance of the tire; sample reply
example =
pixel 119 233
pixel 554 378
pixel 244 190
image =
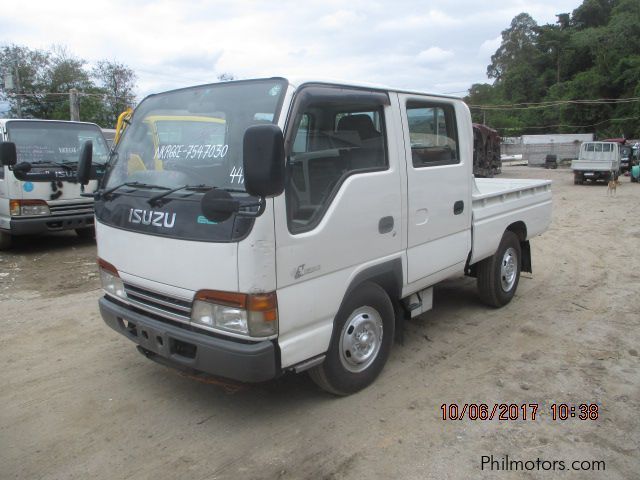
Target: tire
pixel 498 275
pixel 86 233
pixel 5 241
pixel 367 311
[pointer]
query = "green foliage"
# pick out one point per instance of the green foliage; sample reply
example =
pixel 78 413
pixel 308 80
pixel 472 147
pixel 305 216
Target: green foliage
pixel 591 54
pixel 42 80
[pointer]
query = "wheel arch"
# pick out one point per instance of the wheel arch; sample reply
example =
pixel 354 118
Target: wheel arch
pixel 520 229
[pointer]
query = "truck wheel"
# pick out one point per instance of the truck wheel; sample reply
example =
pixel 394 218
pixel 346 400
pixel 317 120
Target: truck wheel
pixel 86 233
pixel 499 274
pixel 361 341
pixel 5 241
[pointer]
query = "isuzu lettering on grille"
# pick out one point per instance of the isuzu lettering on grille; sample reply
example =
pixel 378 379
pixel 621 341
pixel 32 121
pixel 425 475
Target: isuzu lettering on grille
pixel 150 217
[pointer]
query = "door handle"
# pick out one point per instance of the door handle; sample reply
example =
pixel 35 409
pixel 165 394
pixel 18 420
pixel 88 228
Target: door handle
pixel 458 207
pixel 385 225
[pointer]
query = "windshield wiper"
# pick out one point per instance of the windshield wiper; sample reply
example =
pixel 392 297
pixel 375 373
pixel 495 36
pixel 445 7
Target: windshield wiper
pixel 111 190
pixel 156 198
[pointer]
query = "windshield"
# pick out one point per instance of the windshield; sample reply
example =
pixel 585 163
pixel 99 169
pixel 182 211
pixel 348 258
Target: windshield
pixel 55 142
pixel 194 136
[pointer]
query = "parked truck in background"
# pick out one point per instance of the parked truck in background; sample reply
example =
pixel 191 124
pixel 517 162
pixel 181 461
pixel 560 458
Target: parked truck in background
pixel 39 191
pixel 298 227
pixel 596 161
pixel 486 151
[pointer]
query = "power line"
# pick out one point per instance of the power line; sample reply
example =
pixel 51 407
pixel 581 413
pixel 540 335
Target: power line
pixel 556 103
pixel 526 127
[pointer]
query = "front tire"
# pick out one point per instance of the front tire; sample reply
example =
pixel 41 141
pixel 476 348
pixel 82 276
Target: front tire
pixel 86 233
pixel 363 332
pixel 498 275
pixel 5 241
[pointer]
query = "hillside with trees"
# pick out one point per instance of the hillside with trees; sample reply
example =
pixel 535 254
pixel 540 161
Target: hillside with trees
pixel 580 75
pixel 37 84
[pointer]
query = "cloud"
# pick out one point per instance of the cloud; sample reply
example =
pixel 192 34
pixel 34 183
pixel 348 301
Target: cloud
pixel 172 43
pixel 434 55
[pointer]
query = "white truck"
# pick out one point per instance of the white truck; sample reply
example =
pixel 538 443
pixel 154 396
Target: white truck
pixel 596 161
pixel 39 191
pixel 298 227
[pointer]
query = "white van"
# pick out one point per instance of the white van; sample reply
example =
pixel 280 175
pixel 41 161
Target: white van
pixel 40 192
pixel 298 225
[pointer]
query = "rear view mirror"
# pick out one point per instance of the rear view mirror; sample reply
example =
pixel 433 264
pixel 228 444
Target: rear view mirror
pixel 84 163
pixel 8 155
pixel 264 167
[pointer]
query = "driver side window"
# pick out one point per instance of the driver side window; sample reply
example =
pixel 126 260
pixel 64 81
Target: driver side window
pixel 331 142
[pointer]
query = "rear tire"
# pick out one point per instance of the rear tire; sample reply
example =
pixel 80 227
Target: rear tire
pixel 498 275
pixel 363 332
pixel 6 239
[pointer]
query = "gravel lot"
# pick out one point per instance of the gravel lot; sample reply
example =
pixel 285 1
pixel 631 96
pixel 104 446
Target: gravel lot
pixel 78 401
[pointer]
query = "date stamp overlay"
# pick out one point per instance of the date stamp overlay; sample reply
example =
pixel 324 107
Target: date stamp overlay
pixel 527 412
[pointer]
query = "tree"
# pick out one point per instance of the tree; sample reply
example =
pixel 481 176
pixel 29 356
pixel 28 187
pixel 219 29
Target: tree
pixel 118 83
pixel 518 45
pixel 27 70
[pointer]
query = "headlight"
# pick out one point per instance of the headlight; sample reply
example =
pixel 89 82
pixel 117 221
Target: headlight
pixel 111 282
pixel 253 315
pixel 28 208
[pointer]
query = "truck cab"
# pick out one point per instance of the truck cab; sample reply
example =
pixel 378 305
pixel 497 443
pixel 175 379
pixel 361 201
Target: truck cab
pixel 286 225
pixel 39 191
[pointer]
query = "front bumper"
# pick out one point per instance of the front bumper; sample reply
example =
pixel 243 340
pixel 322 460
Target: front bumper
pixel 45 224
pixel 175 346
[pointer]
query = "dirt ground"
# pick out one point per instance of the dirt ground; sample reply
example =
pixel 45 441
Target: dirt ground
pixel 78 401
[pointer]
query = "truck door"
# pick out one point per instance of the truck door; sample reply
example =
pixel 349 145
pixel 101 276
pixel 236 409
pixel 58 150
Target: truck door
pixel 438 187
pixel 341 209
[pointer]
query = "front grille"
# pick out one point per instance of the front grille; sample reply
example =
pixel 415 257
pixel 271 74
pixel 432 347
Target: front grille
pixel 73 208
pixel 159 303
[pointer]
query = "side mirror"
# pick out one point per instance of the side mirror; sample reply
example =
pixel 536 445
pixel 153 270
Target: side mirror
pixel 8 155
pixel 84 163
pixel 218 205
pixel 264 167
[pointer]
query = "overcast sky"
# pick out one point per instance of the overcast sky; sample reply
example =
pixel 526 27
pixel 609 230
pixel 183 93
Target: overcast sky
pixel 440 47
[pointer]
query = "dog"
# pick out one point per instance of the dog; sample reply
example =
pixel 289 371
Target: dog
pixel 612 187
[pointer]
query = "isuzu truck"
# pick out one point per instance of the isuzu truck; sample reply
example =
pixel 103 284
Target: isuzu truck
pixel 278 225
pixel 39 191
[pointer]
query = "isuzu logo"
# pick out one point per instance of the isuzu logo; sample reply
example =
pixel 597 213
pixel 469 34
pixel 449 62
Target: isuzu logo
pixel 151 217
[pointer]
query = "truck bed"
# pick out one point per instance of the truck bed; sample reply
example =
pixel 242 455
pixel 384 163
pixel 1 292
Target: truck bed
pixel 594 165
pixel 501 202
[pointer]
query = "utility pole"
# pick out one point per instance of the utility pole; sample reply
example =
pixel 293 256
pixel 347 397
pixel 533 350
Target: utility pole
pixel 18 92
pixel 74 104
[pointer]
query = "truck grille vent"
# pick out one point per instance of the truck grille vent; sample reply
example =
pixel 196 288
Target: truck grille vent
pixel 159 303
pixel 78 208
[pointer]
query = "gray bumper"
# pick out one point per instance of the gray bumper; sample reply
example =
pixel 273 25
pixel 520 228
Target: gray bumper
pixel 174 346
pixel 35 225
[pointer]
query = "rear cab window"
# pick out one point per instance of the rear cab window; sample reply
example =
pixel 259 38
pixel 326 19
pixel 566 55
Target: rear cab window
pixel 433 134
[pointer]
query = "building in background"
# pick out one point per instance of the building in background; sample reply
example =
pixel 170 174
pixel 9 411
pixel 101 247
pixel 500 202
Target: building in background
pixel 535 148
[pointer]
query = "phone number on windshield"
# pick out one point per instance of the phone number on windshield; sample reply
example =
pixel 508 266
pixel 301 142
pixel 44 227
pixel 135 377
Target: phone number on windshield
pixel 517 411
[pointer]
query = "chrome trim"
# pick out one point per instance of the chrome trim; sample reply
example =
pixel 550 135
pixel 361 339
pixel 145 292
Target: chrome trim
pixel 136 294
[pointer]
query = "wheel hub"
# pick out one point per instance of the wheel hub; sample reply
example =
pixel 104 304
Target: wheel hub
pixel 361 339
pixel 508 269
